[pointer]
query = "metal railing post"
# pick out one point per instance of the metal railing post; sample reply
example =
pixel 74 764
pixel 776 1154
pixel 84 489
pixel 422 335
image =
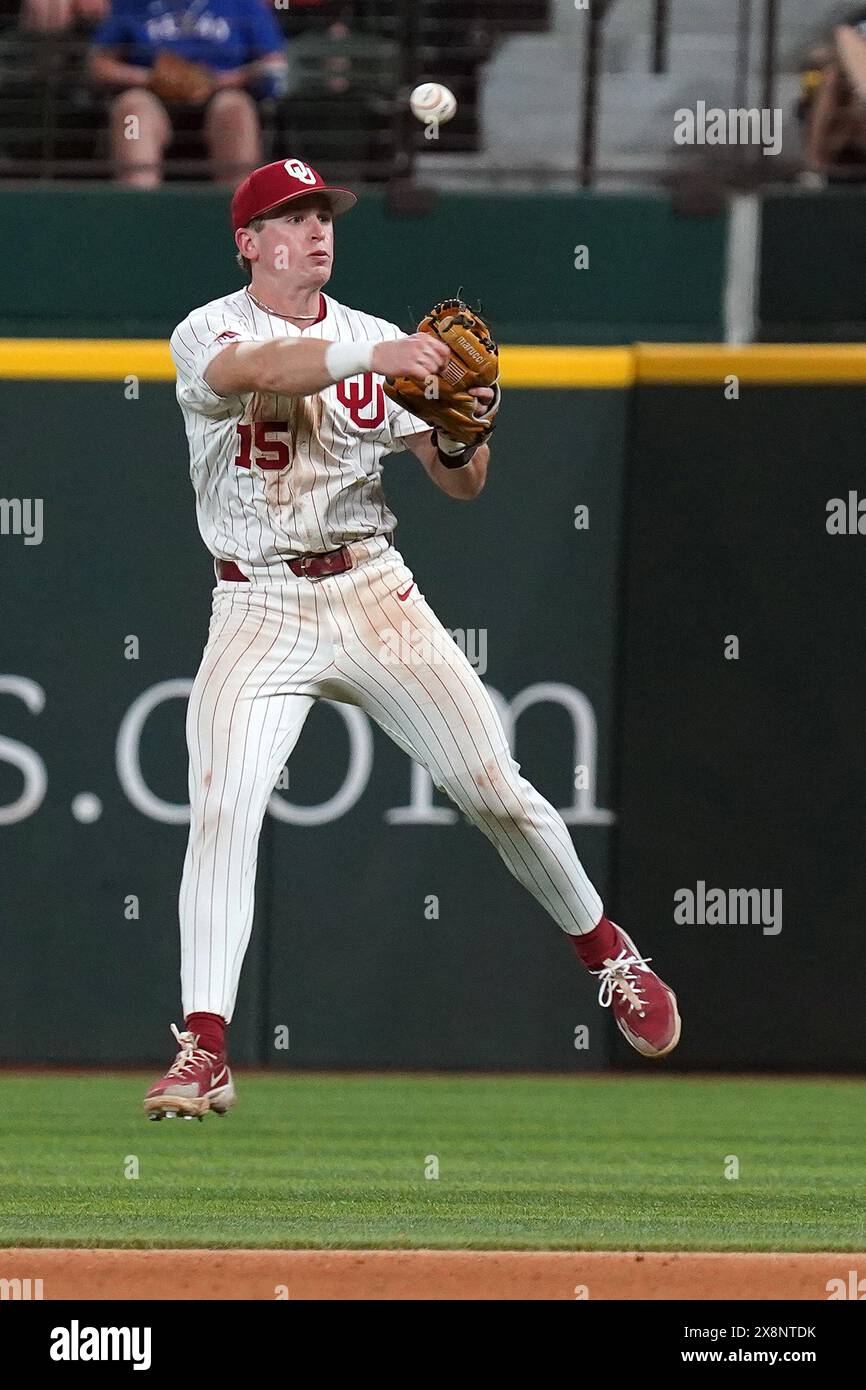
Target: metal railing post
pixel 597 14
pixel 771 26
pixel 744 55
pixel 405 124
pixel 660 37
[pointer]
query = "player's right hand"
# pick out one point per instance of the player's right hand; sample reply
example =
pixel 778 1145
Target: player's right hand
pixel 417 356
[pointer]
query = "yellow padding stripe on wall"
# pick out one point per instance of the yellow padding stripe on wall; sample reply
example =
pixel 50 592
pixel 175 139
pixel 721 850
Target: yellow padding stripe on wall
pixel 85 359
pixel 549 368
pixel 763 364
pixel 80 359
pixel 523 367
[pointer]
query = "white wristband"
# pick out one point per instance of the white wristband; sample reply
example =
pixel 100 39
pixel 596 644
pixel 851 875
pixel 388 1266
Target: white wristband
pixel 450 446
pixel 348 359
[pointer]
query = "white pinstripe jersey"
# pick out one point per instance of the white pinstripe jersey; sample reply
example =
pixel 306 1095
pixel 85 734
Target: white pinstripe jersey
pixel 279 475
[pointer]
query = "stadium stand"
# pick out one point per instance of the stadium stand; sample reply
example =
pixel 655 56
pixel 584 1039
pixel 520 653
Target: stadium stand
pixel 349 78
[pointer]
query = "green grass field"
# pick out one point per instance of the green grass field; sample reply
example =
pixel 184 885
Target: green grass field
pixel 524 1162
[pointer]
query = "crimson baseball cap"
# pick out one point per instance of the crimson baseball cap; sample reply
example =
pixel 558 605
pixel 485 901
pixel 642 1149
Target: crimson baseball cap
pixel 266 188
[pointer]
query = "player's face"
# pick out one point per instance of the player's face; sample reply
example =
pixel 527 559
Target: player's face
pixel 299 242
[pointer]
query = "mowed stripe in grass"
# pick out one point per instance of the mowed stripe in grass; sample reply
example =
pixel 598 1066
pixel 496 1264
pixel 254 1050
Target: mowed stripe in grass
pixel 328 1161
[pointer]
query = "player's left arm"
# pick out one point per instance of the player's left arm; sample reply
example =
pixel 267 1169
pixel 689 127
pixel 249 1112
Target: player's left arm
pixel 463 482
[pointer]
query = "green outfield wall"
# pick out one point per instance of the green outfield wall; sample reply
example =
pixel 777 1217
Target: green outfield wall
pixel 811 278
pixel 743 763
pixel 388 933
pixel 94 260
pixel 114 262
pixel 345 954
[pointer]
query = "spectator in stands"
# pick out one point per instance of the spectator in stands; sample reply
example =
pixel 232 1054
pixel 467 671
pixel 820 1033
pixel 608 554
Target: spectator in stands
pixel 833 104
pixel 326 54
pixel 55 16
pixel 337 63
pixel 239 43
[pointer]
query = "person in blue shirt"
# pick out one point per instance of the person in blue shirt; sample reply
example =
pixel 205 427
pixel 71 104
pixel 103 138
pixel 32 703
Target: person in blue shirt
pixel 240 44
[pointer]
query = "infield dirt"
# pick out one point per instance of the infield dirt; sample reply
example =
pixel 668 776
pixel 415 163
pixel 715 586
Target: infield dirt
pixel 425 1274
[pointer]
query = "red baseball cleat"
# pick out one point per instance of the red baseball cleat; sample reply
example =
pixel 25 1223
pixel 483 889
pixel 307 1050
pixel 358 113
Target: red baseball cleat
pixel 645 1008
pixel 195 1082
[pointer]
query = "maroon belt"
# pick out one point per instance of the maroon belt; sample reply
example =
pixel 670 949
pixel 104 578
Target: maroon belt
pixel 306 566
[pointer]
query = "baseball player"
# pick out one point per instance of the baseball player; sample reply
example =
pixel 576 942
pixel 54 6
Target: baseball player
pixel 291 402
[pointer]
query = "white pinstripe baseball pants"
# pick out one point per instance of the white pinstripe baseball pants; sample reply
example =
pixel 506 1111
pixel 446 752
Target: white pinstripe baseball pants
pixel 274 648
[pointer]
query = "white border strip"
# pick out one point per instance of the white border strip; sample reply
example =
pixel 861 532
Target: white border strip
pixel 742 269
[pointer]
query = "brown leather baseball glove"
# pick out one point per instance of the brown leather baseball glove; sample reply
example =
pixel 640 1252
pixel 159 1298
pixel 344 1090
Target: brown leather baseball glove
pixel 444 400
pixel 175 79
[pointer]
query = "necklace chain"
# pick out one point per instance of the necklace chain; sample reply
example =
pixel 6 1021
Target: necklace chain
pixel 266 310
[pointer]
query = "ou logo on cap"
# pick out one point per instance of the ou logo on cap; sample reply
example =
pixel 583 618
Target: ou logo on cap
pixel 300 171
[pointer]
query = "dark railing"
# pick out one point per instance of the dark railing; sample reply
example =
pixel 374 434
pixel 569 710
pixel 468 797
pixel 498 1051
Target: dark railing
pixel 660 35
pixel 409 41
pixel 771 26
pixel 661 18
pixel 54 120
pixel 744 52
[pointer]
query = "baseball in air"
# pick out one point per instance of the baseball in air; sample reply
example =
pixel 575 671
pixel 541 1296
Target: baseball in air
pixel 433 102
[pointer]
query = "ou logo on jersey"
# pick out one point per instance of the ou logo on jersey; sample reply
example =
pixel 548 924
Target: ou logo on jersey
pixel 364 401
pixel 300 171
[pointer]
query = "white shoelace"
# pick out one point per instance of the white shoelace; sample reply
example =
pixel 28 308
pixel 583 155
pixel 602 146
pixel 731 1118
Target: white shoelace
pixel 620 975
pixel 189 1054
